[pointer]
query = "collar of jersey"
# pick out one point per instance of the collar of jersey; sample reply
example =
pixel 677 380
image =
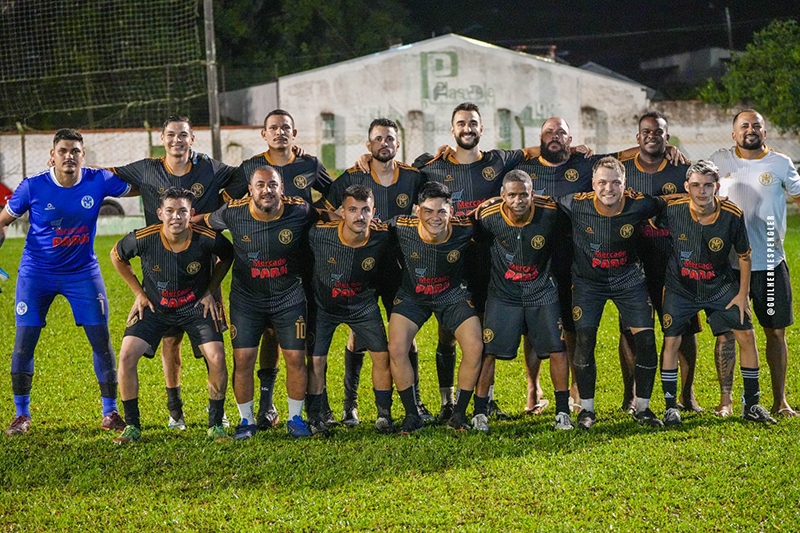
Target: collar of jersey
pixel 169 168
pixel 452 159
pixel 341 237
pixel 762 155
pixel 426 241
pixel 511 222
pixel 717 209
pixel 394 179
pixel 271 162
pixel 255 212
pixel 55 179
pixel 661 167
pixel 169 248
pixel 621 207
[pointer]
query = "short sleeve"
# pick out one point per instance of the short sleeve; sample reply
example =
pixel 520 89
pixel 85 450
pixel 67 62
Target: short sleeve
pixel 114 186
pixel 323 181
pixel 740 241
pixel 225 174
pixel 791 183
pixel 223 247
pixel 336 191
pixel 510 158
pixel 20 201
pixel 565 203
pixel 127 248
pixel 216 219
pixel 130 173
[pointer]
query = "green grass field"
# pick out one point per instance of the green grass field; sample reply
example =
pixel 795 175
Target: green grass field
pixel 66 475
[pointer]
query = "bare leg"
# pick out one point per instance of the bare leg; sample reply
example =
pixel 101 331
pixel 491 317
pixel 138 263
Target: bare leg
pixel 244 362
pixel 778 361
pixel 214 352
pixel 296 374
pixel 535 404
pixel 171 360
pixel 687 357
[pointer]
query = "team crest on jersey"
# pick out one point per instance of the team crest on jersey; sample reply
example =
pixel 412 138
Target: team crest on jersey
pixel 766 178
pixel 453 256
pixel 198 190
pixel 300 182
pixel 626 231
pixel 397 301
pixel 156 268
pixel 666 320
pixel 402 200
pixel 537 242
pixel 87 202
pixel 577 313
pixel 669 188
pixel 715 244
pixel 488 174
pixel 488 335
pixel 246 238
pixel 233 331
pixel 285 236
pixel 589 230
pixel 132 320
pixel 22 308
pixel 571 175
pixel 449 177
pixel 193 268
pixel 368 263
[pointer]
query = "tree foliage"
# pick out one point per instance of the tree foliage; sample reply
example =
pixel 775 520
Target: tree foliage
pixel 765 76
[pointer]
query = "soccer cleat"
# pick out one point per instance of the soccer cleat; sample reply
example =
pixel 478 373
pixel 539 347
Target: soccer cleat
pixel 496 412
pixel 113 421
pixel 19 426
pixel 647 418
pixel 672 417
pixel 426 416
pixel 586 419
pixel 176 424
pixel 757 413
pixel 458 422
pixel 445 413
pixel 268 419
pixel 225 422
pixel 298 428
pixel 411 423
pixel 350 417
pixel 129 434
pixel 385 425
pixel 245 431
pixel 318 427
pixel 563 422
pixel 480 423
pixel 328 419
pixel 217 433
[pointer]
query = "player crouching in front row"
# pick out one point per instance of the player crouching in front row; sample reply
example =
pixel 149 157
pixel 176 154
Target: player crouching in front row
pixel 179 276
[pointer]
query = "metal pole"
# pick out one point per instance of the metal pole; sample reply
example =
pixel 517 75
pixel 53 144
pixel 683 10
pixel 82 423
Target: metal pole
pixel 730 29
pixel 21 130
pixel 211 74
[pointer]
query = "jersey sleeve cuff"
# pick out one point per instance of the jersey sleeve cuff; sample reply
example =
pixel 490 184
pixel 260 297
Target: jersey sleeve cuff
pixel 12 213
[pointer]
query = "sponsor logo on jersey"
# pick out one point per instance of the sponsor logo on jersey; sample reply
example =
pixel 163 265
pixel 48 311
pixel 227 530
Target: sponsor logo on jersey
pixel 233 331
pixel 488 335
pixel 667 320
pixel 156 268
pixel 540 192
pixel 577 313
pixel 488 174
pixel 414 255
pixel 537 242
pixel 368 263
pixel 161 190
pixel 132 320
pixel 397 301
pixel 420 272
pixel 589 230
pixel 766 179
pixel 300 182
pixel 49 207
pixel 715 244
pixel 402 200
pixel 252 256
pixel 626 231
pixel 56 223
pixel 686 255
pixel 534 176
pixel 683 237
pixel 22 308
pixel 246 238
pixel 198 189
pixel 571 175
pixel 669 188
pixel 162 285
pixel 193 268
pixel 332 260
pixel 285 236
pixel 449 178
pixel 453 256
pixel 87 202
pixel 727 176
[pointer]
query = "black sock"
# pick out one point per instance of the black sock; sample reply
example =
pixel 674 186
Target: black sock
pixel 445 364
pixel 325 405
pixel 216 408
pixel 669 384
pixel 383 400
pixel 644 346
pixel 481 405
pixel 353 361
pixel 462 401
pixel 314 404
pixel 131 408
pixel 409 403
pixel 174 402
pixel 562 401
pixel 584 361
pixel 267 377
pixel 413 356
pixel 751 387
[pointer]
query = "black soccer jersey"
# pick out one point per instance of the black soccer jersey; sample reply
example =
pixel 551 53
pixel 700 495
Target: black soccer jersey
pixel 573 176
pixel 473 183
pixel 604 246
pixel 433 273
pixel 174 281
pixel 299 176
pixel 344 277
pixel 521 255
pixel 152 176
pixel 269 255
pixel 394 200
pixel 699 268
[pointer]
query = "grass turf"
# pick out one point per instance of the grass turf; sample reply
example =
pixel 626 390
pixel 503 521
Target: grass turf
pixel 710 474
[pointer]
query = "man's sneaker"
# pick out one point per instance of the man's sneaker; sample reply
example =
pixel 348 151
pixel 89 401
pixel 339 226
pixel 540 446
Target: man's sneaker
pixel 458 422
pixel 480 423
pixel 225 422
pixel 328 419
pixel 426 416
pixel 756 413
pixel 350 417
pixel 176 424
pixel 19 426
pixel 128 435
pixel 245 431
pixel 318 427
pixel 586 419
pixel 385 425
pixel 647 418
pixel 563 422
pixel 445 413
pixel 411 423
pixel 267 419
pixel 297 427
pixel 672 417
pixel 217 433
pixel 113 421
pixel 496 412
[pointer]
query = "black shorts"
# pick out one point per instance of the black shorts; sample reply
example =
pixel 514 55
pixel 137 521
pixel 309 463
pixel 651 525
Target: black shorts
pixel 477 267
pixel 248 326
pixel 771 291
pixel 152 326
pixel 655 277
pixel 223 324
pixel 589 299
pixel 561 267
pixel 387 284
pixel 504 324
pixel 370 333
pixel 677 309
pixel 449 316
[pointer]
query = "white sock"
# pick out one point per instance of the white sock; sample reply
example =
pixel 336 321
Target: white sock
pixel 587 404
pixel 447 394
pixel 491 392
pixel 640 404
pixel 246 413
pixel 295 408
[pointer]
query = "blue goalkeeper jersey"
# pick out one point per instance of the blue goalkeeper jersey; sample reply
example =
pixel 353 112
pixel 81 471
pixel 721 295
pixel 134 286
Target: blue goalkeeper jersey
pixel 63 220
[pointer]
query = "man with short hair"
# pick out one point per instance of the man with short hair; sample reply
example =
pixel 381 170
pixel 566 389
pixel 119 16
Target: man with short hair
pixel 705 229
pixel 394 187
pixel 758 179
pixel 180 274
pixel 63 204
pixel 347 268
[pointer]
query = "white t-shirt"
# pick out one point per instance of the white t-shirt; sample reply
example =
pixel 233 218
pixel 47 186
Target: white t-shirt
pixel 759 187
